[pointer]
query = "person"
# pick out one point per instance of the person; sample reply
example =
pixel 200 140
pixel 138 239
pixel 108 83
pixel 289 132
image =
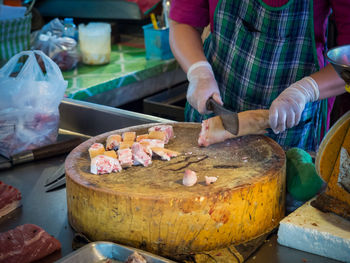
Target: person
pixel 261 54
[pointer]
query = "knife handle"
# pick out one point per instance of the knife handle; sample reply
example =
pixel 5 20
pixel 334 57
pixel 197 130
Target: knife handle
pixel 46 151
pixel 209 104
pixel 56 148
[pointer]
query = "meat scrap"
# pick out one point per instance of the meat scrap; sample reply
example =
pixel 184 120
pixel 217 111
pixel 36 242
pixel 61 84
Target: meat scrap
pixel 136 258
pixel 210 179
pixel 10 198
pixel 26 243
pixel 189 178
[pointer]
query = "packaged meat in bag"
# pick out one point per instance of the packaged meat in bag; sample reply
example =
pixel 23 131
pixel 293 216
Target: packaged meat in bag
pixel 29 101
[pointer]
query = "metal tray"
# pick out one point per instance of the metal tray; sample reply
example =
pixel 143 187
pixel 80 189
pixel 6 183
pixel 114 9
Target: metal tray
pixel 101 251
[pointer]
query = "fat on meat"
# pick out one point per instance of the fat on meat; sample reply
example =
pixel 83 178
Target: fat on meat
pixel 26 243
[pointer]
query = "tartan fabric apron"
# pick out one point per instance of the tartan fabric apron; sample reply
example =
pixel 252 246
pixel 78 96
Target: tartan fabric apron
pixel 256 52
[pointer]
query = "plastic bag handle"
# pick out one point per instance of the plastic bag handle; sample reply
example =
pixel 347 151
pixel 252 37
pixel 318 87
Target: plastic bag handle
pixel 50 66
pixel 8 68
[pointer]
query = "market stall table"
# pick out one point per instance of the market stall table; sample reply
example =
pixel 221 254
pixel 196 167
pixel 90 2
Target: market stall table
pixel 49 209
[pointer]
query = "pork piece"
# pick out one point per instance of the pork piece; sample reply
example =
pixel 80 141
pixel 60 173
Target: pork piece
pixel 168 129
pixel 10 198
pixel 190 178
pixel 250 122
pixel 140 155
pixel 152 143
pixel 111 153
pixel 157 135
pixel 210 179
pixel 129 136
pixel 113 141
pixel 125 145
pixel 136 258
pixel 141 137
pixel 164 154
pixel 96 149
pixel 125 157
pixel 26 243
pixel 103 164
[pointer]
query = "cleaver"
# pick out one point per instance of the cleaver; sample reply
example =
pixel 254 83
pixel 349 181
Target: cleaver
pixel 40 153
pixel 229 118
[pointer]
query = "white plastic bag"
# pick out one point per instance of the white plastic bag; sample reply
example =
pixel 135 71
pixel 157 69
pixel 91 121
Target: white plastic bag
pixel 29 115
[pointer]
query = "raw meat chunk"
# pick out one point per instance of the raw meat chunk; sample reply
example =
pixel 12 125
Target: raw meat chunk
pixel 26 243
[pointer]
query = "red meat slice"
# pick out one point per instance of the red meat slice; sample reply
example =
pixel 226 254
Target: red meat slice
pixel 26 243
pixel 10 198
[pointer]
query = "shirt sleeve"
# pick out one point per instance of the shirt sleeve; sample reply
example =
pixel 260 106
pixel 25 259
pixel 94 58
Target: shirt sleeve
pixel 192 12
pixel 341 11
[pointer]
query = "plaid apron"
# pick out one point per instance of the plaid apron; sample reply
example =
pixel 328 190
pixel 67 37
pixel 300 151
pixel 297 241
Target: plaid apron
pixel 256 52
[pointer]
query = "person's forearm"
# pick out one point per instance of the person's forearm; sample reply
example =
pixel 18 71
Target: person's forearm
pixel 329 83
pixel 186 44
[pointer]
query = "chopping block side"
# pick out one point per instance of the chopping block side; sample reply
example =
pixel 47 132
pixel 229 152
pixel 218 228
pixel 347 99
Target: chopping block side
pixel 177 226
pixel 166 218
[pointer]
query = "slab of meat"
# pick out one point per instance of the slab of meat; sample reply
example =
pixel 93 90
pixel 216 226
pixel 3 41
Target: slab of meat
pixel 140 155
pixel 250 122
pixel 26 243
pixel 168 129
pixel 10 198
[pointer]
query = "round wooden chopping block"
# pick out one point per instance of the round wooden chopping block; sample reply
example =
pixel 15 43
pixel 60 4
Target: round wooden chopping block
pixel 150 208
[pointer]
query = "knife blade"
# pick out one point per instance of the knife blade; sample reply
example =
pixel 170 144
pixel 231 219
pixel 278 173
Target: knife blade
pixel 40 153
pixel 229 118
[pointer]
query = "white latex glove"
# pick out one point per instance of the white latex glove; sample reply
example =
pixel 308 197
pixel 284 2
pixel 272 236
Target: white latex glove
pixel 286 109
pixel 202 86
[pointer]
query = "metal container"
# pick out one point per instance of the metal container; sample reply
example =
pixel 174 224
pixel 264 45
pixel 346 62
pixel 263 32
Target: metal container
pixel 339 57
pixel 98 252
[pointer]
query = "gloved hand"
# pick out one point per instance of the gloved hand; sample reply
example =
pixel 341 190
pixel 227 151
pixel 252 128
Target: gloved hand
pixel 286 109
pixel 202 86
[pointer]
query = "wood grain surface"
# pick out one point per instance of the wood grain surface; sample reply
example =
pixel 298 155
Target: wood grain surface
pixel 149 208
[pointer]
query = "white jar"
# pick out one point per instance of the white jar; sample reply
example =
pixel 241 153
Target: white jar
pixel 95 43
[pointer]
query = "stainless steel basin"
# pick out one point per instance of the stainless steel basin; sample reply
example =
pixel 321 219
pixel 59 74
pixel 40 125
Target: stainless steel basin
pixel 89 119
